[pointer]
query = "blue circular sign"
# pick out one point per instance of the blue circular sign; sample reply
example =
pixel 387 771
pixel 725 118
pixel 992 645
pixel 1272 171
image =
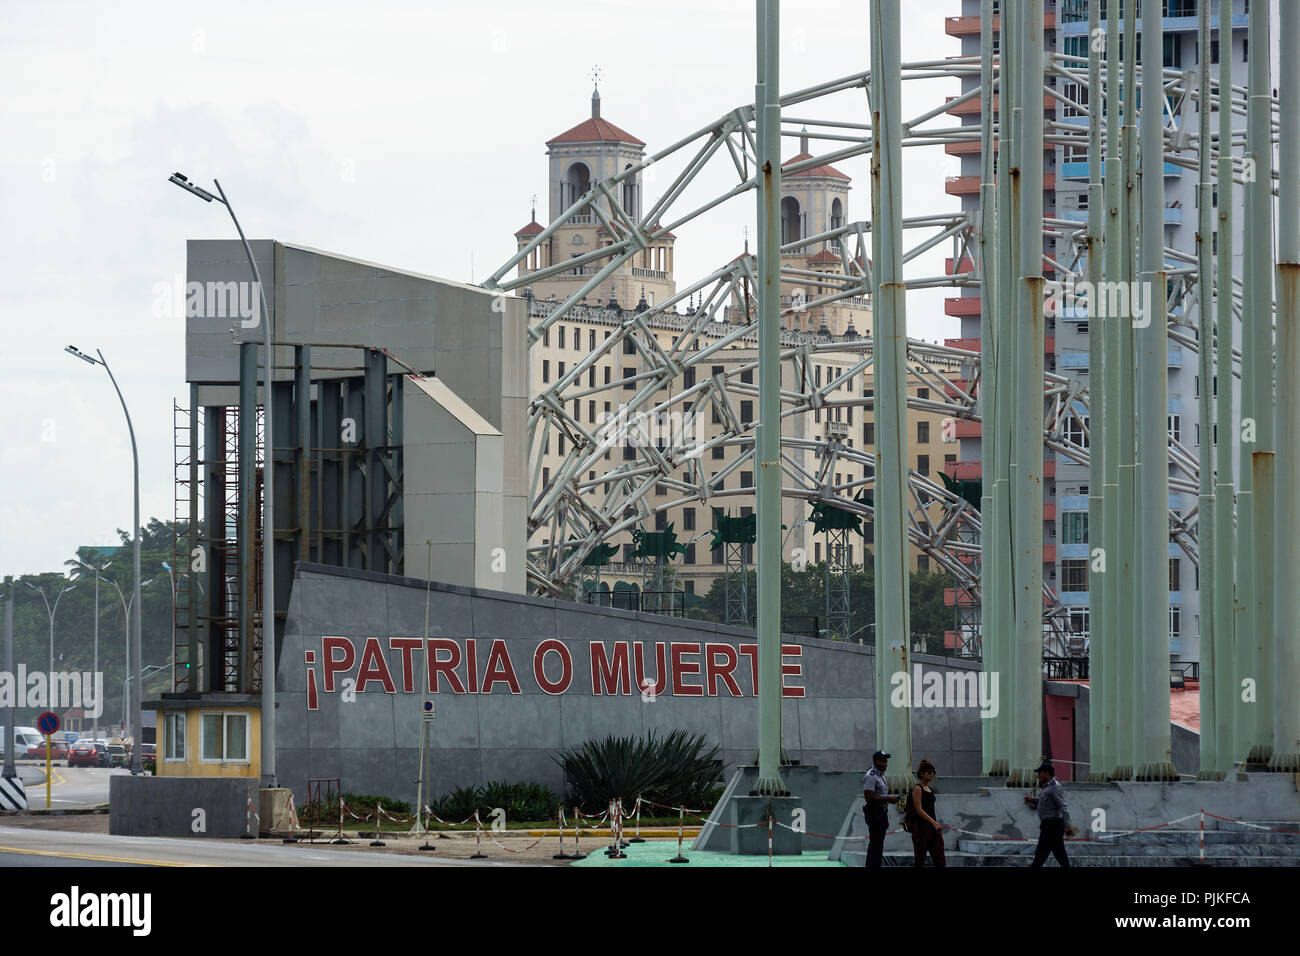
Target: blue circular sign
pixel 48 723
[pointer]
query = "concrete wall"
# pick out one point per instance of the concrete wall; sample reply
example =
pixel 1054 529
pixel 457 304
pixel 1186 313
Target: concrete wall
pixel 168 806
pixel 371 742
pixel 453 491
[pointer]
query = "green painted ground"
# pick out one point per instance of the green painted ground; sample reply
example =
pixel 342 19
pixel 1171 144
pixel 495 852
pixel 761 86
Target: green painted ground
pixel 658 852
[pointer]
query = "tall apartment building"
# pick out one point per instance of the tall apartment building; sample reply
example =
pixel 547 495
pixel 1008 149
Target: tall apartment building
pixel 813 200
pixel 1065 511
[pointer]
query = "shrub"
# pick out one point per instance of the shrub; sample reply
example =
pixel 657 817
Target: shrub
pixel 674 770
pixel 363 803
pixel 521 801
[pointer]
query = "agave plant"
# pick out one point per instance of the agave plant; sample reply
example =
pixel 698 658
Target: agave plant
pixel 673 770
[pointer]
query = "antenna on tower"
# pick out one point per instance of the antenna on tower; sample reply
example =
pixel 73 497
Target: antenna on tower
pixel 596 74
pixel 534 200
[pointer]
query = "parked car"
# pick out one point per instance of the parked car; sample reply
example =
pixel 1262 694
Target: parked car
pixel 58 750
pixel 149 757
pixel 88 753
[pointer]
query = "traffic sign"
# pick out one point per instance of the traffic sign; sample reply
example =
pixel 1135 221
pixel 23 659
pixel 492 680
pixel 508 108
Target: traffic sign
pixel 48 723
pixel 428 710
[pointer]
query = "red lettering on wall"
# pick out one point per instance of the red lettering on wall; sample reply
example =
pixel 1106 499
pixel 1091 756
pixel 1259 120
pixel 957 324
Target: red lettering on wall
pixel 792 670
pixel 607 676
pixel 714 670
pixel 333 665
pixel 661 669
pixel 751 651
pixel 374 668
pixel 434 666
pixel 406 645
pixel 500 670
pixel 683 668
pixel 552 646
pixel 471 665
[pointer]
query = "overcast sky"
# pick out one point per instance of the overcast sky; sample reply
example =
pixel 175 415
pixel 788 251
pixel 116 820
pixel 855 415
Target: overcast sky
pixel 410 134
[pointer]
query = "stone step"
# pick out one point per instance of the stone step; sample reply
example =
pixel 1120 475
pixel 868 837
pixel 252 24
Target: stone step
pixel 1165 839
pixel 1013 849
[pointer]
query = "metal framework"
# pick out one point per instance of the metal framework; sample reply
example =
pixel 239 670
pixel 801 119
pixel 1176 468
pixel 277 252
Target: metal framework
pixel 1137 464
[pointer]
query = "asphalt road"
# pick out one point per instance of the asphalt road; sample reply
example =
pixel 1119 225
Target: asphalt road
pixel 71 787
pixel 31 846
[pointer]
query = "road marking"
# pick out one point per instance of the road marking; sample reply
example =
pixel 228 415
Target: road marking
pixel 89 856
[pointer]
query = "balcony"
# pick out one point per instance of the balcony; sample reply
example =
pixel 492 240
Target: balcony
pixel 972 106
pixel 970 185
pixel 962 428
pixel 962 470
pixel 967 265
pixel 1049 554
pixel 970 25
pixel 1173 215
pixel 965 305
pixel 967 345
pixel 1175 356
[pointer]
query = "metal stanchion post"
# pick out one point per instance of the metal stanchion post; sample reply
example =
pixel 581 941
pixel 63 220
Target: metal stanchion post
pixel 379 821
pixel 636 838
pixel 679 858
pixel 478 853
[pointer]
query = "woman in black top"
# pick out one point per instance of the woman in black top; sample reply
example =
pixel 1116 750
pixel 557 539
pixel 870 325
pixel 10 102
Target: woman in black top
pixel 926 835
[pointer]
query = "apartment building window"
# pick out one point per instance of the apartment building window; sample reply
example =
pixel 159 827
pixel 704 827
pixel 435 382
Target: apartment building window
pixel 690 553
pixel 629 346
pixel 950 459
pixel 817 552
pixel 1176 427
pixel 1074 527
pixel 923 394
pixel 747 410
pixel 546 370
pixel 716 370
pixel 628 384
pixel 923 562
pixel 591 340
pixel 629 553
pixel 591 412
pixel 546 338
pixel 923 464
pixel 661 520
pixel 1175 620
pixel 1075 430
pixel 688 519
pixel 577 410
pixel 718 451
pixel 546 445
pixel 560 366
pixel 606 374
pixel 688 378
pixel 546 477
pixel 591 377
pixel 660 490
pixel 561 444
pixel 1074 575
pixel 747 479
pixel 868 433
pixel 717 415
pixel 629 453
pixel 1078 621
pixel 923 433
pixel 560 328
pixel 747 376
pixel 1175 574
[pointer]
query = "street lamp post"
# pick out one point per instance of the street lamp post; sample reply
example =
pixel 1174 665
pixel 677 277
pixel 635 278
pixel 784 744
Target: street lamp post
pixel 126 664
pixel 168 568
pixel 51 612
pixel 268 495
pixel 136 639
pixel 95 570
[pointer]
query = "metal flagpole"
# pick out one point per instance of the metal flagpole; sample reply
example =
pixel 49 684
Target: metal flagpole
pixel 991 638
pixel 1113 257
pixel 1228 705
pixel 11 712
pixel 1152 552
pixel 1004 399
pixel 768 437
pixel 893 634
pixel 1099 691
pixel 1027 472
pixel 1286 633
pixel 1127 716
pixel 1257 314
pixel 1211 653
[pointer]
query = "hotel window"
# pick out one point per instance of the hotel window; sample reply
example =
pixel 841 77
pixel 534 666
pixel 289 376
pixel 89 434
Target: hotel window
pixel 1175 575
pixel 1175 621
pixel 688 378
pixel 591 341
pixel 718 451
pixel 606 374
pixel 591 412
pixel 546 370
pixel 1074 575
pixel 224 738
pixel 747 479
pixel 546 477
pixel 688 519
pixel 923 464
pixel 174 731
pixel 661 520
pixel 591 377
pixel 1175 427
pixel 923 393
pixel 690 554
pixel 747 411
pixel 561 441
pixel 629 347
pixel 922 562
pixel 868 433
pixel 628 374
pixel 560 373
pixel 922 433
pixel 561 332
pixel 1074 527
pixel 747 376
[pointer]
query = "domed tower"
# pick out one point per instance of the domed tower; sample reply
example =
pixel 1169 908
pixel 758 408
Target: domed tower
pixel 591 152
